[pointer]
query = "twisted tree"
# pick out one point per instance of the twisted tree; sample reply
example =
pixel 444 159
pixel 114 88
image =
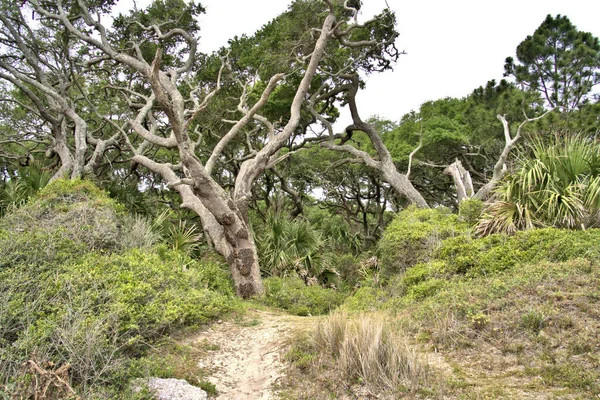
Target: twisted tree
pixel 148 68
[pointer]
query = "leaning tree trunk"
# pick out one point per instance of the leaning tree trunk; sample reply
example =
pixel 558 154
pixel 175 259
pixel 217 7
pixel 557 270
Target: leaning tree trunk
pixel 222 220
pixel 385 165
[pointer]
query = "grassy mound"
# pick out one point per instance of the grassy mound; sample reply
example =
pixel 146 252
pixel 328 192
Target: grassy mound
pixel 414 235
pixel 84 293
pixel 514 316
pixel 529 331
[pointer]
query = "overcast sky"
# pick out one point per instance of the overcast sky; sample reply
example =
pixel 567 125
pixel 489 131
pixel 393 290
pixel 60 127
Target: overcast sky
pixel 451 47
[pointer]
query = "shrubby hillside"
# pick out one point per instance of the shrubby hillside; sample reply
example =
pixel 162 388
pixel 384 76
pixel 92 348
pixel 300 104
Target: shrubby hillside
pixel 87 289
pixel 492 317
pixel 450 253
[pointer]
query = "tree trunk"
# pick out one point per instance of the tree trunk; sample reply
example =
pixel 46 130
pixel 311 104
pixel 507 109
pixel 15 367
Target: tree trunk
pixel 239 249
pixel 225 222
pixel 462 180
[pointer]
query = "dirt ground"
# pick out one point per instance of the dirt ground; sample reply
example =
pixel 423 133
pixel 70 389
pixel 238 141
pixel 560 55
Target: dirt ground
pixel 247 355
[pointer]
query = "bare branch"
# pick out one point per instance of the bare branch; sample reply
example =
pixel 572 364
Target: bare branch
pixel 412 153
pixel 249 115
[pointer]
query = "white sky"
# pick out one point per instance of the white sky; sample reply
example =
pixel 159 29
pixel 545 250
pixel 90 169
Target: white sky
pixel 452 46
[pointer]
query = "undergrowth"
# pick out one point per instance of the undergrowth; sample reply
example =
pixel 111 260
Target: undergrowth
pixel 293 295
pixel 79 299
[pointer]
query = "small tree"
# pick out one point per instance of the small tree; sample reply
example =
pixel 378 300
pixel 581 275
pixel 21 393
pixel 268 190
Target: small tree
pixel 559 61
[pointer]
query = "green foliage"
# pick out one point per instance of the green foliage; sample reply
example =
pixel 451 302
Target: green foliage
pixel 292 247
pixel 464 256
pixel 79 212
pixel 559 61
pixel 367 298
pixel 293 295
pixel 104 308
pixel 539 313
pixel 184 238
pixel 558 184
pixel 68 296
pixel 414 235
pixel 168 14
pixel 466 129
pixel 26 182
pixel 470 210
pixel 336 231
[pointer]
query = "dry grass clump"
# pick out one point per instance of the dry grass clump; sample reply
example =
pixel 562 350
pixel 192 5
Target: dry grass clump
pixel 359 357
pixel 368 350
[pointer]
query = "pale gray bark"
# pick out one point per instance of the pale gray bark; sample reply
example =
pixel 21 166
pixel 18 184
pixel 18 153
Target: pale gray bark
pixel 462 180
pixel 384 164
pixel 41 76
pixel 509 142
pixel 224 215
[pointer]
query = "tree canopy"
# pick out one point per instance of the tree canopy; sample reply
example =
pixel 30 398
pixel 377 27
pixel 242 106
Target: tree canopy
pixel 559 61
pixel 250 130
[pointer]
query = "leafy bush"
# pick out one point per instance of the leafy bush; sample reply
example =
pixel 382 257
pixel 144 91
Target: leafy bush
pixel 81 213
pixel 293 295
pixel 70 293
pixel 414 235
pixel 470 210
pixel 463 255
pixel 365 299
pixel 105 307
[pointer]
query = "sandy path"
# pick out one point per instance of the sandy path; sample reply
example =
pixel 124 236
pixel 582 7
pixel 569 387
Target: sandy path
pixel 249 358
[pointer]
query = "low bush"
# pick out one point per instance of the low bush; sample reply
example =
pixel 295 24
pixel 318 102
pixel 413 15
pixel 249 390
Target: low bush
pixel 75 301
pixel 293 295
pixel 465 256
pixel 470 210
pixel 96 313
pixel 414 235
pixel 80 212
pixel 499 252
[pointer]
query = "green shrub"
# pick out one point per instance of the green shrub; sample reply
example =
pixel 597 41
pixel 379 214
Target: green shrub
pixel 354 271
pixel 365 299
pixel 497 252
pixel 470 210
pixel 414 235
pixel 105 307
pixel 422 272
pixel 70 293
pixel 81 213
pixel 464 256
pixel 293 295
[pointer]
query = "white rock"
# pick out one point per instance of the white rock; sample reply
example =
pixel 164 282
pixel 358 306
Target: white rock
pixel 175 389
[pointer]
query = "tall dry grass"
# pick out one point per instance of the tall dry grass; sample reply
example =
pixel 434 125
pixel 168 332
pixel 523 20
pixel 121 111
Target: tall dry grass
pixel 369 350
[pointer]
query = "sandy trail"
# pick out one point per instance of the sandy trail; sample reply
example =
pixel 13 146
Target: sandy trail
pixel 249 354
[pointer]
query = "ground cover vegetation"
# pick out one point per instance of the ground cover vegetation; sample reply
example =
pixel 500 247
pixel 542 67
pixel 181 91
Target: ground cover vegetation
pixel 147 187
